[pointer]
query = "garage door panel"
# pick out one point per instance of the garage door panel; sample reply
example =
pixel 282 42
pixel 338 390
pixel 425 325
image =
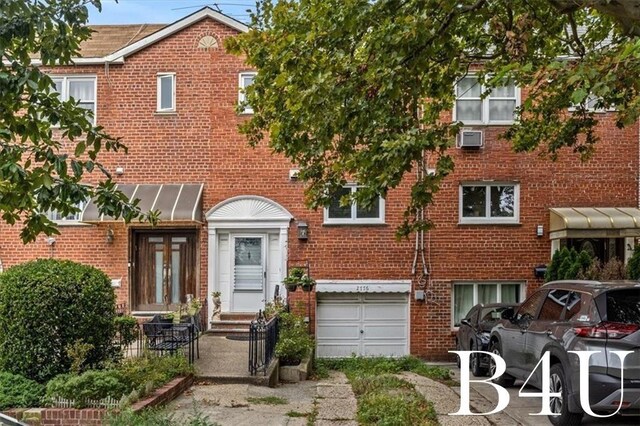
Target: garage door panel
pixel 383 318
pixel 384 349
pixel 337 350
pixel 338 332
pixel 385 331
pixel 338 312
pixel 385 297
pixel 388 312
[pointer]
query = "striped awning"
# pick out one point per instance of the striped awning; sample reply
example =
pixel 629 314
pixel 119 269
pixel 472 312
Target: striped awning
pixel 594 222
pixel 176 202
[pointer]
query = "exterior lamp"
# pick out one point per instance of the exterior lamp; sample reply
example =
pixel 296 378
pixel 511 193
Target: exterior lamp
pixel 303 231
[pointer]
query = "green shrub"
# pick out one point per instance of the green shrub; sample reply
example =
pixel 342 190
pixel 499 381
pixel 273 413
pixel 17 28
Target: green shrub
pixel 126 329
pixel 46 307
pixel 633 266
pixel 153 371
pixel 294 341
pixel 18 391
pixel 567 264
pixel 92 384
pixel 395 408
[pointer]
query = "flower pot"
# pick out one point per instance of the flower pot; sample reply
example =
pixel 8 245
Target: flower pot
pixel 291 288
pixel 307 288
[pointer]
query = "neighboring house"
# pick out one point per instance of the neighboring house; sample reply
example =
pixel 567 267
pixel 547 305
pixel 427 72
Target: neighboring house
pixel 232 215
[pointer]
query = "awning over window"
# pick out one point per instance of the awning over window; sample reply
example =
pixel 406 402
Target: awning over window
pixel 176 202
pixel 594 222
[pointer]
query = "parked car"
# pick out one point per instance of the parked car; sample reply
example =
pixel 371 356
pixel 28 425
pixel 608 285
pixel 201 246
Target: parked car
pixel 474 333
pixel 10 421
pixel 575 315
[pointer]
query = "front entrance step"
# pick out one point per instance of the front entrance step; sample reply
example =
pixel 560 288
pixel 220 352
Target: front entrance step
pixel 238 316
pixel 232 323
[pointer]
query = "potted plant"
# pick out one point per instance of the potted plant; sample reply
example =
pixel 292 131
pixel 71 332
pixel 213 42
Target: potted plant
pixel 307 283
pixel 294 279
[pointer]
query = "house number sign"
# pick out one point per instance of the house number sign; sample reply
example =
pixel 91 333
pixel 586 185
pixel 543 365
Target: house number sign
pixel 362 288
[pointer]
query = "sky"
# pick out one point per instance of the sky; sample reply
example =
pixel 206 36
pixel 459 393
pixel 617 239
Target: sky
pixel 163 11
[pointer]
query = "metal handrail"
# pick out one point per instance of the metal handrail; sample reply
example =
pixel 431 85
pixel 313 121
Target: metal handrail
pixel 263 337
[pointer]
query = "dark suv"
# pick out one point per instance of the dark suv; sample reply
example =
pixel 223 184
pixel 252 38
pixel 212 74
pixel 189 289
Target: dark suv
pixel 575 316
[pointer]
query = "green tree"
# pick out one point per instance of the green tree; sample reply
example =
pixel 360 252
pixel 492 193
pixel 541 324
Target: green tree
pixel 41 168
pixel 358 89
pixel 633 266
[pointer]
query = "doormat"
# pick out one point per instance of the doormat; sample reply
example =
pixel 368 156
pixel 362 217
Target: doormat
pixel 241 337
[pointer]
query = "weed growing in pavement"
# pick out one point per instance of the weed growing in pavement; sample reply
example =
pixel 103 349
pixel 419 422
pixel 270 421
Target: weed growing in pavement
pixel 359 367
pixel 267 400
pixel 293 413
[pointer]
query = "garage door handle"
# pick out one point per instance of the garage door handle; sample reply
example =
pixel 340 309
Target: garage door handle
pixel 361 331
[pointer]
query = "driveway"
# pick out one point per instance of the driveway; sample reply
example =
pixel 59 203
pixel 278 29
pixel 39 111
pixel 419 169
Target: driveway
pixel 485 398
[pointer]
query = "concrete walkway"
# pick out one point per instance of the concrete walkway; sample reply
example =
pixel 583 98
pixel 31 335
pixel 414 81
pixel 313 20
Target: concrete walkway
pixel 223 360
pixel 336 403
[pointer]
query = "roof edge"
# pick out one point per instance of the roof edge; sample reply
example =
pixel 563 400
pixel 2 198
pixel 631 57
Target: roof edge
pixel 205 12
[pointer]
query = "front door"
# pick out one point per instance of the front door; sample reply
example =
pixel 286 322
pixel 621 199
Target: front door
pixel 164 269
pixel 249 272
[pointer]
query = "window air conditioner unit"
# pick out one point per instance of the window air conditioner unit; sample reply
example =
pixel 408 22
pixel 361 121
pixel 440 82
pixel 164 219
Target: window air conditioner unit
pixel 470 139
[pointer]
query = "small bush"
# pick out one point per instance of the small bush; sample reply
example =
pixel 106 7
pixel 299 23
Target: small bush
pixel 19 392
pixel 633 266
pixel 294 342
pixel 126 327
pixel 46 307
pixel 153 371
pixel 92 384
pixel 395 408
pixel 567 264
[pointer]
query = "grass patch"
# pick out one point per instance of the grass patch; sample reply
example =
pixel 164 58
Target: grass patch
pixel 296 414
pixel 360 367
pixel 268 400
pixel 383 398
pixel 156 417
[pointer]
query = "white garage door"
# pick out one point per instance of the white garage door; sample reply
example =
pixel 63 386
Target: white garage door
pixel 370 324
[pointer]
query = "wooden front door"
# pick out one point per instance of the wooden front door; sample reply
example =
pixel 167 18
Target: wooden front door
pixel 164 269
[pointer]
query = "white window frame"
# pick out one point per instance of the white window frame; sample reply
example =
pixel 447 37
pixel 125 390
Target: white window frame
pixel 75 220
pixel 64 94
pixel 591 99
pixel 354 219
pixel 475 285
pixel 488 219
pixel 241 96
pixel 159 78
pixel 485 106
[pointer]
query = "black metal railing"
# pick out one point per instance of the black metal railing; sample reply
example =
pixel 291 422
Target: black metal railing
pixel 263 336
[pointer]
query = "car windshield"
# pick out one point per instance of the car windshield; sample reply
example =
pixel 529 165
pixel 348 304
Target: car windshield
pixel 624 306
pixel 492 314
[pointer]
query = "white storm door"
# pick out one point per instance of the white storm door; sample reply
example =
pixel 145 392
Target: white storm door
pixel 248 272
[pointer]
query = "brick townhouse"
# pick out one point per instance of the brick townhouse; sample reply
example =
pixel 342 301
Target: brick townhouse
pixel 233 218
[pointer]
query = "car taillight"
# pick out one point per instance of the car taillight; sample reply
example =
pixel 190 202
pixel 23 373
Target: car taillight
pixel 607 330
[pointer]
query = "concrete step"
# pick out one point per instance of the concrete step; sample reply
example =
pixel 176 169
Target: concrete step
pixel 238 316
pixel 223 332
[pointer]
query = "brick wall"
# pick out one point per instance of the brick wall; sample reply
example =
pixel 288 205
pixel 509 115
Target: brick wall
pixel 200 144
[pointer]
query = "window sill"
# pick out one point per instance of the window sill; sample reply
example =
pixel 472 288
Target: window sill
pixel 497 124
pixel 71 224
pixel 163 113
pixel 245 113
pixel 342 224
pixel 490 223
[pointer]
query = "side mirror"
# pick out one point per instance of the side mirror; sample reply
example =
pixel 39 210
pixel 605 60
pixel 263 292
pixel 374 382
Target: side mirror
pixel 508 314
pixel 465 322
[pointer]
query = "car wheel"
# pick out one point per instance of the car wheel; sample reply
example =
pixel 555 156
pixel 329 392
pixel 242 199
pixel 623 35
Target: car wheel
pixel 558 384
pixel 458 349
pixel 476 369
pixel 505 380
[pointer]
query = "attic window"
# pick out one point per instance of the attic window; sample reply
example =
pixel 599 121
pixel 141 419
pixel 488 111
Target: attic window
pixel 208 42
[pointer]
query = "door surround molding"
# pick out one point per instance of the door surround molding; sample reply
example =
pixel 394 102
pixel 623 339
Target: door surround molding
pixel 245 213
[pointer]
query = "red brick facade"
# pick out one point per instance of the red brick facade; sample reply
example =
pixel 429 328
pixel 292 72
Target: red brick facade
pixel 200 144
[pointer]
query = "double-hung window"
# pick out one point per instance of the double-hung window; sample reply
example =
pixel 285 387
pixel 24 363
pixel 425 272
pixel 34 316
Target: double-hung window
pixel 489 203
pixel 352 213
pixel 72 218
pixel 246 80
pixel 166 92
pixel 80 88
pixel 497 107
pixel 468 294
pixel 590 104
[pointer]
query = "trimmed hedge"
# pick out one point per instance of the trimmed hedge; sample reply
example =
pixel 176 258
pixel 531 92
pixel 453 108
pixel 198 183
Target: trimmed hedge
pixel 48 307
pixel 19 392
